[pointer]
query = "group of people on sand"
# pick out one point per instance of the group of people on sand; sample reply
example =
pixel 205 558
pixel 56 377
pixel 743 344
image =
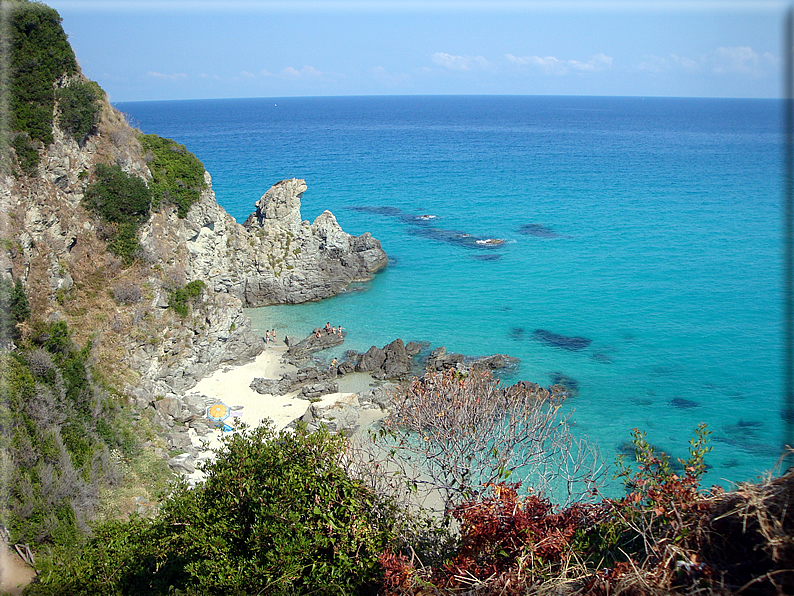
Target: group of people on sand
pixel 270 336
pixel 330 330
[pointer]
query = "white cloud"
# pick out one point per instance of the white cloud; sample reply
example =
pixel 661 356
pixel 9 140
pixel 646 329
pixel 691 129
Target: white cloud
pixel 214 77
pixel 554 65
pixel 659 64
pixel 384 76
pixel 171 77
pixel 724 60
pixel 459 62
pixel 293 73
pixel 741 59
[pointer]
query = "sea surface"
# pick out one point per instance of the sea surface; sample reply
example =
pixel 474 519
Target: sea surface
pixel 647 229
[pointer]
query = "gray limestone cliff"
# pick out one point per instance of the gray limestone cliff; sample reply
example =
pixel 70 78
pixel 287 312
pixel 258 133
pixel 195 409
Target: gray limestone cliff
pixel 273 258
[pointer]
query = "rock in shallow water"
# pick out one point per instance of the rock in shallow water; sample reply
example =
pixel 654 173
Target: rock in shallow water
pixel 683 404
pixel 561 341
pixel 538 230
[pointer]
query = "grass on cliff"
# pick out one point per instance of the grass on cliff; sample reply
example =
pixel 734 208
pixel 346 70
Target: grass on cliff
pixel 123 202
pixel 177 174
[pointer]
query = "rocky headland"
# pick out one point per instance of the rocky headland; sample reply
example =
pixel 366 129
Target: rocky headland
pixel 58 249
pixel 275 257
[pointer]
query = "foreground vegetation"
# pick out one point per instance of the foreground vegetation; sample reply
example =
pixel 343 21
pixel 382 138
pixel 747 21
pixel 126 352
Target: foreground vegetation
pixel 298 513
pixel 62 435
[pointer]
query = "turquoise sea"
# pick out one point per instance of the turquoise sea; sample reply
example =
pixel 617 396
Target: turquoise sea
pixel 649 226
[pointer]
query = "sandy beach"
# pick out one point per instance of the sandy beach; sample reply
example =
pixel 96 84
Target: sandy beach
pixel 231 386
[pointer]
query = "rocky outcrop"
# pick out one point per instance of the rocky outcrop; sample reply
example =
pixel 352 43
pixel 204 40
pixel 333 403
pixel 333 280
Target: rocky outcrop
pixel 318 340
pixel 338 412
pixel 494 362
pixel 274 258
pixel 440 360
pixel 57 249
pixel 392 362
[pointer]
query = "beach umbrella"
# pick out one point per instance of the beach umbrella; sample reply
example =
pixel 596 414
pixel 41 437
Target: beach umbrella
pixel 218 412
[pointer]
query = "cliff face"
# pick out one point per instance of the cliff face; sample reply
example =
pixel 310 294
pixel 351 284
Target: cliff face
pixel 55 246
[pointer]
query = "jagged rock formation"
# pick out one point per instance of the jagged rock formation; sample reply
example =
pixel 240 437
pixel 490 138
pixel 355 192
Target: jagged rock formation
pixel 273 258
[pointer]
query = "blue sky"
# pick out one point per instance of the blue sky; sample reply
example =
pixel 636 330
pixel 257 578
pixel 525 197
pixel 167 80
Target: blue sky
pixel 176 49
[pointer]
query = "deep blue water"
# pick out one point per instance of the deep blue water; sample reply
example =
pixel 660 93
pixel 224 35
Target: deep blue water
pixel 648 226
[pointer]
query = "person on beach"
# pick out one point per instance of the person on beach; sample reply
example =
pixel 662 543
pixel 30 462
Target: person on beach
pixel 267 338
pixel 340 331
pixel 328 327
pixel 273 336
pixel 334 363
pixel 317 334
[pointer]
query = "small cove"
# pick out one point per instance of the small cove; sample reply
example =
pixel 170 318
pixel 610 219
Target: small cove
pixel 649 228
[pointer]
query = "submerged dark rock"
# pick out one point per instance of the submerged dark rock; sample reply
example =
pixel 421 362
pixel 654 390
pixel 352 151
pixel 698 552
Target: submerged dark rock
pixel 538 230
pixel 601 357
pixel 457 238
pixel 388 211
pixel 570 384
pixel 421 225
pixel 561 341
pixel 683 404
pixel 517 333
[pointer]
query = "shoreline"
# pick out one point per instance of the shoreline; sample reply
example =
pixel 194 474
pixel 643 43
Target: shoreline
pixel 230 385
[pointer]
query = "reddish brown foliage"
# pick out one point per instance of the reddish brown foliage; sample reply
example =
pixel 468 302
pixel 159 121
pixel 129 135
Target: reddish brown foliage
pixel 506 533
pixel 397 572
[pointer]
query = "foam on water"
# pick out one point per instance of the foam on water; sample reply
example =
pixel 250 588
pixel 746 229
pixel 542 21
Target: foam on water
pixel 649 227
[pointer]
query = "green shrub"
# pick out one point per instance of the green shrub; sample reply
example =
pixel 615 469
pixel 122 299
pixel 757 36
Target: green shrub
pixel 179 299
pixel 177 174
pixel 79 107
pixel 122 200
pixel 277 515
pixel 14 309
pixel 40 55
pixel 53 434
pixel 27 152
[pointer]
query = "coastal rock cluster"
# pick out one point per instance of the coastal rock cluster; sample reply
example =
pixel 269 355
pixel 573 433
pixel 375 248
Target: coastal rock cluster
pixel 275 257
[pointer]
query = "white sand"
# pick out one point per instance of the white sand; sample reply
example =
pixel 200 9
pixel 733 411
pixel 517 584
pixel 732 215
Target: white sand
pixel 230 386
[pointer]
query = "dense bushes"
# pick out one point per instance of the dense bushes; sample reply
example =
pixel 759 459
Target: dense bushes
pixel 40 55
pixel 14 309
pixel 79 107
pixel 123 201
pixel 177 174
pixel 277 514
pixel 179 299
pixel 56 430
